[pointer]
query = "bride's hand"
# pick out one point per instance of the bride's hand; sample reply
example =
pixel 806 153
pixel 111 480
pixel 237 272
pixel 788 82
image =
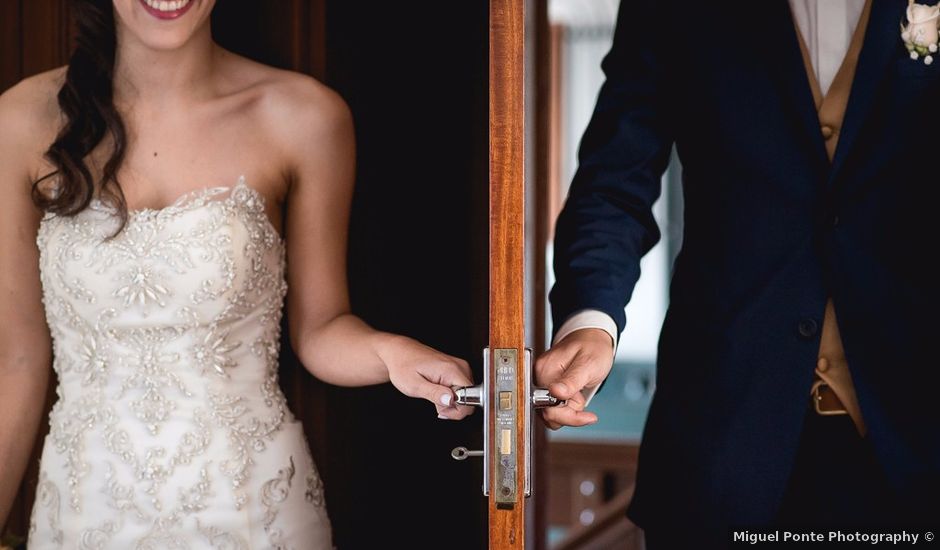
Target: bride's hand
pixel 423 372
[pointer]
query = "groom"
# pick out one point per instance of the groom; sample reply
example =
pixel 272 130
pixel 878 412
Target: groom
pixel 798 362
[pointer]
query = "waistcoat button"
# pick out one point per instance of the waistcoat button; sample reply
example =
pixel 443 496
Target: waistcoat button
pixel 808 328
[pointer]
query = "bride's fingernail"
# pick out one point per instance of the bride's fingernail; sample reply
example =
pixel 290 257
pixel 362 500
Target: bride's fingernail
pixel 442 417
pixel 445 399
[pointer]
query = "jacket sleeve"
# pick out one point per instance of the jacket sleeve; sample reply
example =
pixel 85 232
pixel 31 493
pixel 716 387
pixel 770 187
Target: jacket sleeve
pixel 607 224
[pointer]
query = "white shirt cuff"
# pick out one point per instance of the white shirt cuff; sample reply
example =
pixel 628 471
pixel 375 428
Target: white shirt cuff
pixel 588 318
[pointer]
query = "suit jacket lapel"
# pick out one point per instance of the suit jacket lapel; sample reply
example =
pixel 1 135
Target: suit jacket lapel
pixel 786 63
pixel 882 39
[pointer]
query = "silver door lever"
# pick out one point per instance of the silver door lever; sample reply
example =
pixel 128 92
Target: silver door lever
pixel 474 396
pixel 542 399
pixel 471 395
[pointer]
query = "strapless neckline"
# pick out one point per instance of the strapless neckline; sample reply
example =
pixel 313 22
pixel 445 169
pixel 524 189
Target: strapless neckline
pixel 196 198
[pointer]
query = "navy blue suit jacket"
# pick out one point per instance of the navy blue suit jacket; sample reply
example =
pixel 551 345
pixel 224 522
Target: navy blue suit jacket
pixel 771 229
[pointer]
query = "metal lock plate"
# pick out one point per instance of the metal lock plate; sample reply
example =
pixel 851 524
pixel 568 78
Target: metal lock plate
pixel 505 399
pixel 507 371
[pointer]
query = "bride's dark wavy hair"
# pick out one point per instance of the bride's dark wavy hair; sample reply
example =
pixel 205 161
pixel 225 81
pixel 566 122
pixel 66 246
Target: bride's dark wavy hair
pixel 86 100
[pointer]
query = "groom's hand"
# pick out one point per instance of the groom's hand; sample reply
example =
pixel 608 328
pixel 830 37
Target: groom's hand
pixel 581 359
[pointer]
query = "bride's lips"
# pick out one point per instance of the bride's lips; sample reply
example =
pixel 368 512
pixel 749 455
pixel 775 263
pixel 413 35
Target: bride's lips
pixel 163 9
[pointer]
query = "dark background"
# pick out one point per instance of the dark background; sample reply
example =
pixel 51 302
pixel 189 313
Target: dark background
pixel 415 76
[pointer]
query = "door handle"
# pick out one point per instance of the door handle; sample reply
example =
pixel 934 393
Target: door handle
pixel 506 418
pixel 542 399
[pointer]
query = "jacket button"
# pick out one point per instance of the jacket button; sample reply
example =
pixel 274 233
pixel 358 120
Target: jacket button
pixel 808 328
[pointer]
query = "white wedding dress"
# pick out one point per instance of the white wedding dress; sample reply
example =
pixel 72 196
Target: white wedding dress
pixel 170 430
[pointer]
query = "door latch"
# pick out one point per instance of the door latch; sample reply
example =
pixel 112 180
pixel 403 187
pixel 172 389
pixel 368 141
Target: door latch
pixel 506 421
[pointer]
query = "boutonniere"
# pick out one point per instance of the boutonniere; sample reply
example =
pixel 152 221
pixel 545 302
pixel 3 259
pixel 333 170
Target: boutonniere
pixel 920 34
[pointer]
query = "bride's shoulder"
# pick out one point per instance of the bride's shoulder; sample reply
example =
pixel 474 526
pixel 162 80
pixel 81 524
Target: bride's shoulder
pixel 31 104
pixel 303 121
pixel 30 115
pixel 293 102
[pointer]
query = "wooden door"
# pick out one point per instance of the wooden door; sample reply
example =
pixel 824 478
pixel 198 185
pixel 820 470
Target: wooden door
pixel 520 164
pixel 508 370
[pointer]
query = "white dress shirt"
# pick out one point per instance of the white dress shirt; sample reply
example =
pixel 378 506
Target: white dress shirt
pixel 827 27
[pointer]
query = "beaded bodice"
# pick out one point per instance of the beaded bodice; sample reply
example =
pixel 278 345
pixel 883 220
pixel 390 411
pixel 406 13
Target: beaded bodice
pixel 166 343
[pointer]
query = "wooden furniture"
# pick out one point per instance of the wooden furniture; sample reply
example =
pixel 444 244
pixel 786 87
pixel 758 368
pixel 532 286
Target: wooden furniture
pixel 611 530
pixel 590 486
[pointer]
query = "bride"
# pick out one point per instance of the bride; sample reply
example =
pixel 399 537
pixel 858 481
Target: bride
pixel 143 254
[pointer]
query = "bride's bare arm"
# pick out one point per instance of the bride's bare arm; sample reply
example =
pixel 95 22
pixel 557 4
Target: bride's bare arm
pixel 25 344
pixel 332 343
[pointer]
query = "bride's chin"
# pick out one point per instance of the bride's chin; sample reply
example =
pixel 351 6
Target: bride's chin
pixel 162 44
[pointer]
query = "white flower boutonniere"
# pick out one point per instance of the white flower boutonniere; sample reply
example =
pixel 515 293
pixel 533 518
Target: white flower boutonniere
pixel 921 33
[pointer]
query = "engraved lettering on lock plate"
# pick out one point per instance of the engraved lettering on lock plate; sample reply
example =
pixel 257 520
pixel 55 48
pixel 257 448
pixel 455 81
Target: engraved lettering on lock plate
pixel 506 405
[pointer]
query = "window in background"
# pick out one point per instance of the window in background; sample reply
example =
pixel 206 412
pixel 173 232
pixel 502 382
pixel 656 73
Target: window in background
pixel 591 465
pixel 586 34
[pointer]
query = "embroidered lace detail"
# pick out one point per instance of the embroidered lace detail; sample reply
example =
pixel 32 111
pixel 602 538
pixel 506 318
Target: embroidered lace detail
pixel 219 539
pixel 314 492
pixel 47 496
pixel 273 493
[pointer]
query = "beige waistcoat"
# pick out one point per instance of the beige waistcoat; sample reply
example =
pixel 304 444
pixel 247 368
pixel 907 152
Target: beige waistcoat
pixel 832 367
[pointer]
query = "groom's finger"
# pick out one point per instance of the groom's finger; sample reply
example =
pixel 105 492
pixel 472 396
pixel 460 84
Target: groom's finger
pixel 556 417
pixel 551 364
pixel 556 420
pixel 577 375
pixel 576 402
